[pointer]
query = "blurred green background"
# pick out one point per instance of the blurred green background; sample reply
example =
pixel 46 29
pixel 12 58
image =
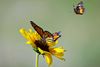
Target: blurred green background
pixel 80 33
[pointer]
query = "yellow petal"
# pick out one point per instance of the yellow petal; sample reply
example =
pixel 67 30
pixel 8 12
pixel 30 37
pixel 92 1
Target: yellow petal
pixel 31 43
pixel 29 35
pixel 38 37
pixel 23 32
pixel 30 30
pixel 32 35
pixel 48 58
pixel 58 52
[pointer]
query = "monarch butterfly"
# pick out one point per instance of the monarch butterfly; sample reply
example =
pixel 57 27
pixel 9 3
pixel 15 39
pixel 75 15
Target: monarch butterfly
pixel 79 8
pixel 45 34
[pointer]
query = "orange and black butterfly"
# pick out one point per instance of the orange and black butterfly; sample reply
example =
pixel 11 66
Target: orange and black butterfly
pixel 79 8
pixel 45 34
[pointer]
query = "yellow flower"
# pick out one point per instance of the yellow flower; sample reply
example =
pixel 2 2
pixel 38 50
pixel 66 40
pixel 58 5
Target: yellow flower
pixel 43 47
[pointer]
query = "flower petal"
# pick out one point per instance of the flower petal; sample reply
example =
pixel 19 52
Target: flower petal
pixel 48 58
pixel 37 36
pixel 23 32
pixel 31 36
pixel 31 43
pixel 58 52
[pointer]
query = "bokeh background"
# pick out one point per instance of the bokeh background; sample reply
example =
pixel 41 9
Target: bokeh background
pixel 80 33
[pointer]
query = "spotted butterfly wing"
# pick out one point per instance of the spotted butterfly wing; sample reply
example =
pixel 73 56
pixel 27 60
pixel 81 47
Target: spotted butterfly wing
pixel 40 31
pixel 79 8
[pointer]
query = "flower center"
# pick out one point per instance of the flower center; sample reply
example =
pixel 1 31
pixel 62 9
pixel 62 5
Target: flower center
pixel 42 44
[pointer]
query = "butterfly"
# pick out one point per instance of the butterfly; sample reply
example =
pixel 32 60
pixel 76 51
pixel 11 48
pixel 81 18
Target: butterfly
pixel 45 34
pixel 79 8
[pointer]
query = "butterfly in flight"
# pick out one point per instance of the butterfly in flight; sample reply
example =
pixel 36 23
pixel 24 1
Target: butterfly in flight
pixel 79 8
pixel 45 34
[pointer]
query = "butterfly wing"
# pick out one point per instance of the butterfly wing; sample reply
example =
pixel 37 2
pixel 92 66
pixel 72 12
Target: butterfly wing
pixel 76 10
pixel 48 34
pixel 38 29
pixel 79 9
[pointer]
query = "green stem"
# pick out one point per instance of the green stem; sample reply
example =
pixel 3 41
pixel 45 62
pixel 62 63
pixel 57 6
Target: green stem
pixel 37 59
